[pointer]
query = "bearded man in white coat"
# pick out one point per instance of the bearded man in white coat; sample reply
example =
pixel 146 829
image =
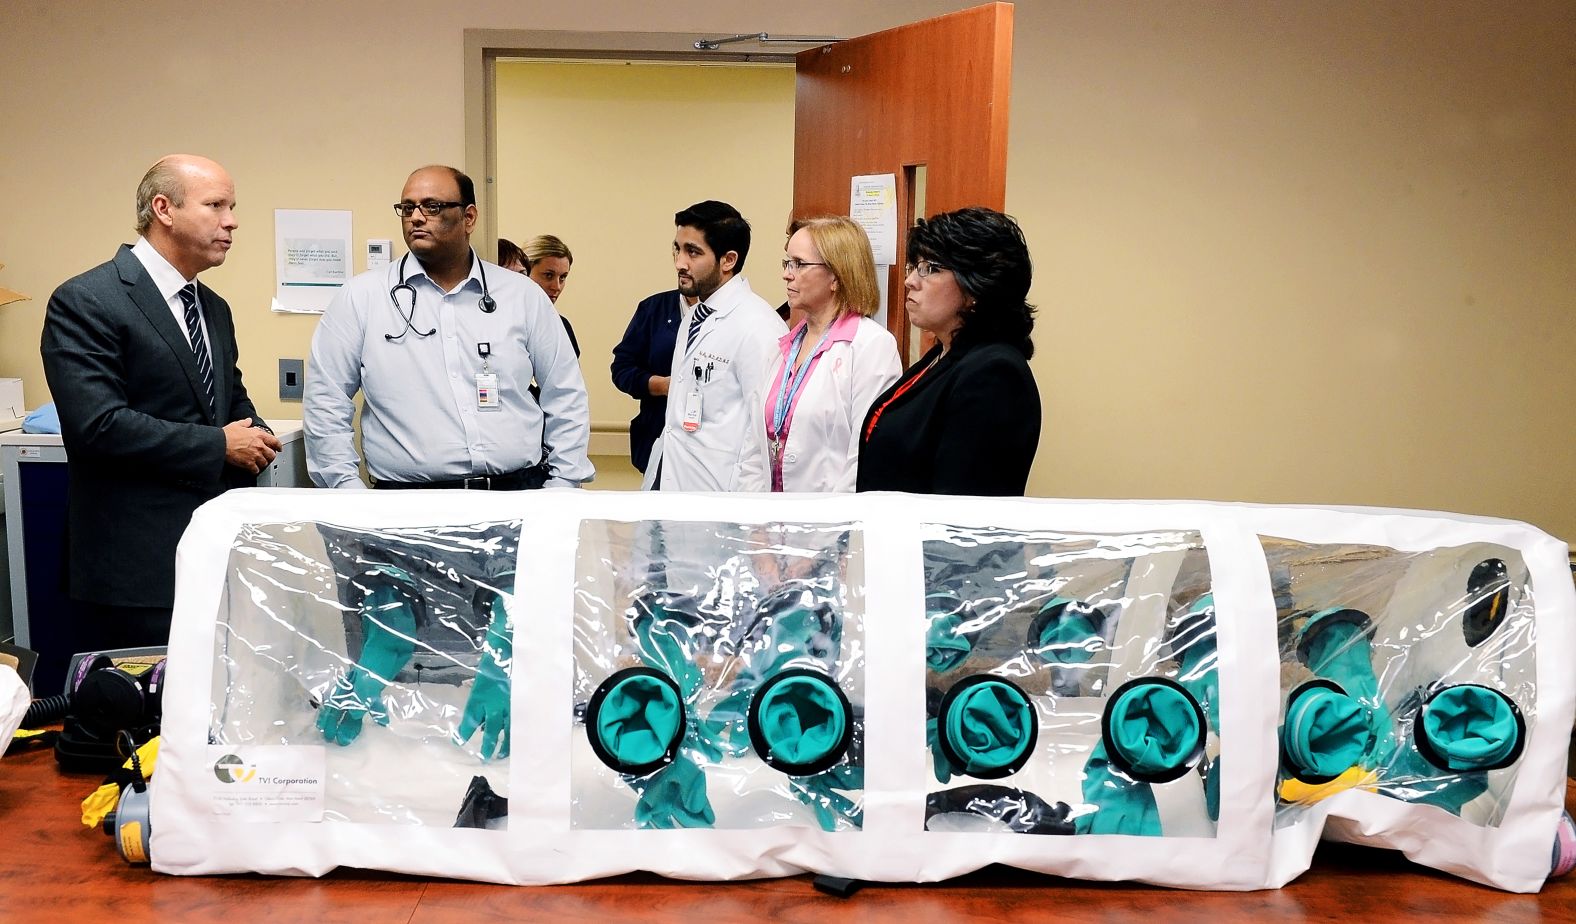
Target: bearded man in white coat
pixel 726 345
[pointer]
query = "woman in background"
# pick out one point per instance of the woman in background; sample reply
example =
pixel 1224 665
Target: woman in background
pixel 965 419
pixel 510 256
pixel 833 363
pixel 547 261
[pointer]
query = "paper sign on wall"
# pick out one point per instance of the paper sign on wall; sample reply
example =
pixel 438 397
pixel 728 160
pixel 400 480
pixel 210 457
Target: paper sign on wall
pixel 872 203
pixel 311 257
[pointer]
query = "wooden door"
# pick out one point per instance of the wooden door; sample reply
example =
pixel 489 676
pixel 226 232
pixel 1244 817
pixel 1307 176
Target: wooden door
pixel 927 102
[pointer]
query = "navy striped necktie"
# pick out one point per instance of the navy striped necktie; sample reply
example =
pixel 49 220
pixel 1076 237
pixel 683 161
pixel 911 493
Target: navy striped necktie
pixel 199 343
pixel 702 312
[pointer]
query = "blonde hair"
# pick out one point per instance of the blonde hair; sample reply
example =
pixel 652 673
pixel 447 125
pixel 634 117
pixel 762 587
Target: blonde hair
pixel 845 248
pixel 162 179
pixel 545 245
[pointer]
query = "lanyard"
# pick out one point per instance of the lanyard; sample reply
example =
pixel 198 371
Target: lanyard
pixel 896 394
pixel 793 380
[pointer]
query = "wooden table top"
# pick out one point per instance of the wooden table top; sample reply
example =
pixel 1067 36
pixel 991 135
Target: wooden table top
pixel 54 869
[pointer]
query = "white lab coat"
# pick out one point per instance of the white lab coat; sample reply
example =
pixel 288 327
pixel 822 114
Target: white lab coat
pixel 737 344
pixel 822 450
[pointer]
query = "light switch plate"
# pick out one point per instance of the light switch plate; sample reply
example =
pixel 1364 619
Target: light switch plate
pixel 292 377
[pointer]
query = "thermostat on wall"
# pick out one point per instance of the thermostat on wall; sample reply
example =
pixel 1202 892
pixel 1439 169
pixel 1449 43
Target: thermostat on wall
pixel 379 253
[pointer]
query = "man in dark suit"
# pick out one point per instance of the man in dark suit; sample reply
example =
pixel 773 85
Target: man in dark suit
pixel 643 365
pixel 141 362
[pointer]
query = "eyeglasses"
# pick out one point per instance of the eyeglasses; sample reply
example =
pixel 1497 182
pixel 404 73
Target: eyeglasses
pixel 924 268
pixel 428 208
pixel 791 265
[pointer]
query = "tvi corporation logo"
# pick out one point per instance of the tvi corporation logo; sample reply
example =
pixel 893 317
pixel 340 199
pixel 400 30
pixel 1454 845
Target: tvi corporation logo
pixel 231 769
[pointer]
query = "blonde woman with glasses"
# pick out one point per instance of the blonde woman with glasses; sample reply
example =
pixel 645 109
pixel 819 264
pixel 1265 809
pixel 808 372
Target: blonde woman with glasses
pixel 832 365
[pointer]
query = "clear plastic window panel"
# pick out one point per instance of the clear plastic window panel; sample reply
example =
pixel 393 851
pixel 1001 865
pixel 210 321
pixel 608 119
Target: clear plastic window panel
pixel 718 676
pixel 383 653
pixel 1071 683
pixel 1409 674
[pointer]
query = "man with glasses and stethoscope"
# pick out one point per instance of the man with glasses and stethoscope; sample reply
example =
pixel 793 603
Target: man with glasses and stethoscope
pixel 444 347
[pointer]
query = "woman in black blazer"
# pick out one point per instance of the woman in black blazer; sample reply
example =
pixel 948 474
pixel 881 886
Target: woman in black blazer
pixel 965 419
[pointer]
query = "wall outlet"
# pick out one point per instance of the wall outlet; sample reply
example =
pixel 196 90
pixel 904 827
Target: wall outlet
pixel 292 376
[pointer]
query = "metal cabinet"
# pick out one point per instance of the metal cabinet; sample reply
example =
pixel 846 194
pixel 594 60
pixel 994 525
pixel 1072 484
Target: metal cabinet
pixel 33 472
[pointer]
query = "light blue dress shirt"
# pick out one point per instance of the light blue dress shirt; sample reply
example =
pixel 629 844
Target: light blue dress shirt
pixel 421 419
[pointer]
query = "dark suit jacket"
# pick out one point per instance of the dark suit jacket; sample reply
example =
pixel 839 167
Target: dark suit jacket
pixel 968 426
pixel 645 351
pixel 143 446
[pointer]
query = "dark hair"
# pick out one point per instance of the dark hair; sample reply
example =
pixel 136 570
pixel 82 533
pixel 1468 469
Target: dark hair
pixel 509 252
pixel 721 225
pixel 467 188
pixel 987 254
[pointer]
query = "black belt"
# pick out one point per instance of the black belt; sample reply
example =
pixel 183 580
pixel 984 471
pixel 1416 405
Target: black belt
pixel 523 480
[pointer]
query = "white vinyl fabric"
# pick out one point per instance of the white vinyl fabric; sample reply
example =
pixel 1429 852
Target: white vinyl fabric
pixel 14 700
pixel 1088 689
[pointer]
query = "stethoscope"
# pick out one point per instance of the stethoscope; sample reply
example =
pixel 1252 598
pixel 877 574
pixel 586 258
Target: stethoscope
pixel 486 303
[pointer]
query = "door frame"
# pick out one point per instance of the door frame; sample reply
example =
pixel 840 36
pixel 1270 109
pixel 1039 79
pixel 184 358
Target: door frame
pixel 483 48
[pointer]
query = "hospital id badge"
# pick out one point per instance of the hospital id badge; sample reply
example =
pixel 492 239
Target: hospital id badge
pixel 487 397
pixel 691 421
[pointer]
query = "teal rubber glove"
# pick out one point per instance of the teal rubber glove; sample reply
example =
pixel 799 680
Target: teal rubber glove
pixel 1212 790
pixel 947 643
pixel 988 727
pixel 638 725
pixel 665 630
pixel 796 633
pixel 823 793
pixel 1471 728
pixel 639 721
pixel 940 764
pixel 802 720
pixel 1197 657
pixel 725 730
pixel 1068 633
pixel 1154 729
pixel 388 624
pixel 663 634
pixel 1326 733
pixel 804 730
pixel 1412 778
pixel 487 706
pixel 1468 728
pixel 1335 646
pixel 1122 805
pixel 673 797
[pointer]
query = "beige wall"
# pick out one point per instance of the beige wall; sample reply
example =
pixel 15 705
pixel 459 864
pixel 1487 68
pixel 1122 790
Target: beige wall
pixel 591 152
pixel 1313 251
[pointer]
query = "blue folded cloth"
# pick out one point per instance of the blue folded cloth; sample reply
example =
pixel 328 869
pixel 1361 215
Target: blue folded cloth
pixel 42 420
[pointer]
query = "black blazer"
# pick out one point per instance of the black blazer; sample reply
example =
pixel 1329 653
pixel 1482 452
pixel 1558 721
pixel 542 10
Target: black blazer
pixel 645 351
pixel 144 448
pixel 970 425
